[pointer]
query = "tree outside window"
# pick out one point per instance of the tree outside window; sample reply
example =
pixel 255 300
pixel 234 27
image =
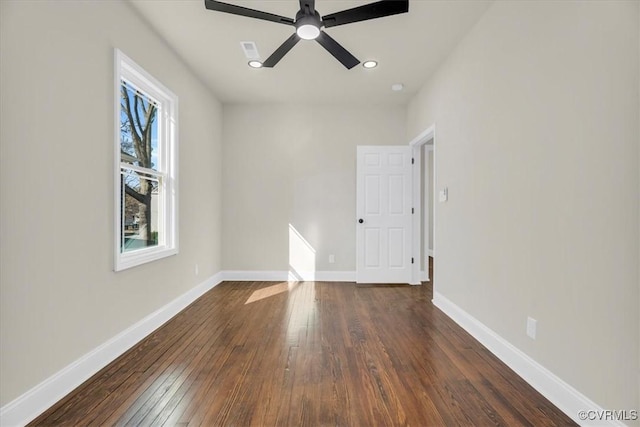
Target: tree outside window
pixel 138 146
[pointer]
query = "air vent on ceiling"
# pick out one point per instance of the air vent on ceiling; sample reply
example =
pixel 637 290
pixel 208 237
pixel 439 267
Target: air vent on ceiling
pixel 250 50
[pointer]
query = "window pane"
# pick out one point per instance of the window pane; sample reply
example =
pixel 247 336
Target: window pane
pixel 138 127
pixel 140 202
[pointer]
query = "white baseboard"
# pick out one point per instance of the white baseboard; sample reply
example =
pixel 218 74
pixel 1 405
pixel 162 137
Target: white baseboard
pixel 565 397
pixel 281 276
pixel 28 406
pixel 257 276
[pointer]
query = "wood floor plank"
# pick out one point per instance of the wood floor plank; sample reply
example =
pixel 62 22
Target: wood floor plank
pixel 307 354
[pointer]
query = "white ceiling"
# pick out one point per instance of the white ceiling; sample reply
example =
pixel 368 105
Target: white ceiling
pixel 408 48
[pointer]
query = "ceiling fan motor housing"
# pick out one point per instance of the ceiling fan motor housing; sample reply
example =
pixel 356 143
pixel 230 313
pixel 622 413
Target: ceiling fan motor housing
pixel 308 25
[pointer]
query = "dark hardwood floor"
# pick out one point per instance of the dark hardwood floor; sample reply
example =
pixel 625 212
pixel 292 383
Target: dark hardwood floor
pixel 307 354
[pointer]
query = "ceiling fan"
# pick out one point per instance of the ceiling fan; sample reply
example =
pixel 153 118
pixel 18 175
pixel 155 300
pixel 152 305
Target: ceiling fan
pixel 309 24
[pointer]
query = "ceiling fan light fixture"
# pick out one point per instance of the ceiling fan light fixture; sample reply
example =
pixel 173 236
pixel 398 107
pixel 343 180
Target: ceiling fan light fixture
pixel 255 64
pixel 370 64
pixel 309 24
pixel 308 31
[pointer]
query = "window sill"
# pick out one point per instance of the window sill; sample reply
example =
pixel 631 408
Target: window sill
pixel 142 256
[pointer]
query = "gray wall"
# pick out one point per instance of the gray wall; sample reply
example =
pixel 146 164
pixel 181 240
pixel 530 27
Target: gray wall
pixel 296 165
pixel 536 115
pixel 60 298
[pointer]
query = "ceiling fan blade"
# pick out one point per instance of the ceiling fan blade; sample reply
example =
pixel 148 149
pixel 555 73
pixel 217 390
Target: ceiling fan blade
pixel 281 51
pixel 366 12
pixel 336 49
pixel 310 4
pixel 244 11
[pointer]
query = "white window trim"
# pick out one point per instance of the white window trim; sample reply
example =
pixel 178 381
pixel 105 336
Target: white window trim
pixel 126 68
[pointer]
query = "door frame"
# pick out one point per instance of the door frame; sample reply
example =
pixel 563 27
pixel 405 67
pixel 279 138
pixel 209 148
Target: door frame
pixel 418 189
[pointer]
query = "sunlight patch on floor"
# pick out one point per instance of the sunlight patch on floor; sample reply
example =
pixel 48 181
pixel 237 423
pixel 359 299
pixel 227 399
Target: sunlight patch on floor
pixel 271 291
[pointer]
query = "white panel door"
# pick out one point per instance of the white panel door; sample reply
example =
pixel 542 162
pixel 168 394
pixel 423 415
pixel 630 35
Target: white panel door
pixel 383 229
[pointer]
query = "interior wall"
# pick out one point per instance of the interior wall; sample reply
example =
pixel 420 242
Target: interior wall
pixel 536 114
pixel 295 165
pixel 60 298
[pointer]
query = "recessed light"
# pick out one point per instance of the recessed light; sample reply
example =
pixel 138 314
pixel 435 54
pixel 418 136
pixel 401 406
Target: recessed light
pixel 255 64
pixel 397 87
pixel 370 64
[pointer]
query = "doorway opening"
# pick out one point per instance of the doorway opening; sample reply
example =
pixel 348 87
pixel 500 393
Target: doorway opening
pixel 424 179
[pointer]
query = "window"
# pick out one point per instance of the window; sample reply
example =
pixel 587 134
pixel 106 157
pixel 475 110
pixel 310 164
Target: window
pixel 146 191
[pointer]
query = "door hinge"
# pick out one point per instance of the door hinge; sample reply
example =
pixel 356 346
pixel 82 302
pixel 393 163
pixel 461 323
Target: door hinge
pixel 411 260
pixel 412 211
pixel 413 160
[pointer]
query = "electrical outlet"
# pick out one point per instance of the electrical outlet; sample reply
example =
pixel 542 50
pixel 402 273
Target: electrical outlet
pixel 332 258
pixel 197 270
pixel 532 325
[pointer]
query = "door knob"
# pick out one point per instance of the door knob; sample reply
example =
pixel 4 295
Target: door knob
pixel 361 220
